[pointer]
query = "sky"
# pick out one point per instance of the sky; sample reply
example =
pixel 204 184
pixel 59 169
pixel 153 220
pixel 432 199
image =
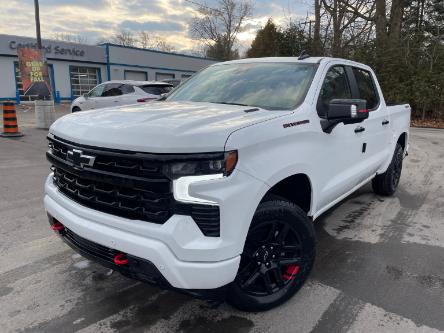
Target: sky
pixel 100 19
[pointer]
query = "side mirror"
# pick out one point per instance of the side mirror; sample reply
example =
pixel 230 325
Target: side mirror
pixel 86 95
pixel 347 111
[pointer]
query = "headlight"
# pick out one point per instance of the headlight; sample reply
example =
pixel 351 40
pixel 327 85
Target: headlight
pixel 223 164
pixel 186 173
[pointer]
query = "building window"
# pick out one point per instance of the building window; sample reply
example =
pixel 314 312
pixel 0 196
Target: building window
pixel 164 76
pixel 83 79
pixel 19 83
pixel 136 75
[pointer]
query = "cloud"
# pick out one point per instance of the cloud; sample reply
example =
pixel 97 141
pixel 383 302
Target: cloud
pixel 152 26
pixel 100 19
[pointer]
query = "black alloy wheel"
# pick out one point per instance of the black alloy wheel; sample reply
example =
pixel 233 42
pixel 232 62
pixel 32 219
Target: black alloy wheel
pixel 387 182
pixel 278 256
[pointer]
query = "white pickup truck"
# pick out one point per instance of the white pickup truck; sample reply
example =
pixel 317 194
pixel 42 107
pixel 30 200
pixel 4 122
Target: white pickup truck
pixel 214 190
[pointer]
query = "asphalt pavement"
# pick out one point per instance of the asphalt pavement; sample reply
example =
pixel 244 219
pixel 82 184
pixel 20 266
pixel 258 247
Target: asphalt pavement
pixel 379 268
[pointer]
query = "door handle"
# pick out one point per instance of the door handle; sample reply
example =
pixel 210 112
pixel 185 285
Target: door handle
pixel 385 122
pixel 359 129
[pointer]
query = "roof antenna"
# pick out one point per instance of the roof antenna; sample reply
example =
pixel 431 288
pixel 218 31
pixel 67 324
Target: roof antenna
pixel 303 55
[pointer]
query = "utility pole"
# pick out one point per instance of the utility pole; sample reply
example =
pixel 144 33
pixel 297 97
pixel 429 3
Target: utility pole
pixel 37 24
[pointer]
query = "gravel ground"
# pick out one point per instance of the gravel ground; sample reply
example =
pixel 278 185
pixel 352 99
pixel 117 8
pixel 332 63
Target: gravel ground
pixel 379 267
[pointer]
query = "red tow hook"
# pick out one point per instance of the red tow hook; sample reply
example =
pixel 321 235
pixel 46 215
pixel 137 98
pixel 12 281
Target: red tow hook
pixel 291 272
pixel 120 259
pixel 57 226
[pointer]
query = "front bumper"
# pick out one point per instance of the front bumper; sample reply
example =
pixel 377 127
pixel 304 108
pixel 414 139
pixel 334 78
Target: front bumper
pixel 135 268
pixel 179 274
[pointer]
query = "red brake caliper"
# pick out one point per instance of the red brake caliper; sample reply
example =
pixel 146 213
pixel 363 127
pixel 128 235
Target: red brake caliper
pixel 291 272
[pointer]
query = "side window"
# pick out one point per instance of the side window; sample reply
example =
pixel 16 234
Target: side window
pixel 335 86
pixel 97 91
pixel 112 89
pixel 127 89
pixel 366 87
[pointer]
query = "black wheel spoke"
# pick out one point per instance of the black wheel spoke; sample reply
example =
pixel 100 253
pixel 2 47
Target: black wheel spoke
pixel 289 261
pixel 283 233
pixel 278 276
pixel 251 279
pixel 271 233
pixel 246 268
pixel 291 248
pixel 268 283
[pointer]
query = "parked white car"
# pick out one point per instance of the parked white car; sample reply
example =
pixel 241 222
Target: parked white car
pixel 214 190
pixel 124 92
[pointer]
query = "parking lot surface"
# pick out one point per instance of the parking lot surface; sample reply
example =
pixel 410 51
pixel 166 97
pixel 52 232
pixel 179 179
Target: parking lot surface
pixel 379 267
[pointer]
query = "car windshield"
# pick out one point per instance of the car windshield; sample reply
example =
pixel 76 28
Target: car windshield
pixel 156 89
pixel 272 86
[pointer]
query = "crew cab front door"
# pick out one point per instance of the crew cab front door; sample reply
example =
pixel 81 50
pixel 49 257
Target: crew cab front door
pixel 341 150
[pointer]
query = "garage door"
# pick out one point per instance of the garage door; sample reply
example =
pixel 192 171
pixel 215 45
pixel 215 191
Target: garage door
pixel 136 76
pixel 164 76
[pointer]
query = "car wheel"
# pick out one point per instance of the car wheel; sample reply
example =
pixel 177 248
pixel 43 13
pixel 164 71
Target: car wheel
pixel 278 256
pixel 76 109
pixel 387 182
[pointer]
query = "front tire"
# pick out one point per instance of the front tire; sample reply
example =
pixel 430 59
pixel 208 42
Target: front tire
pixel 278 256
pixel 387 182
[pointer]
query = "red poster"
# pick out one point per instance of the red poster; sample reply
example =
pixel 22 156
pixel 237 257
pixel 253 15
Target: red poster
pixel 34 73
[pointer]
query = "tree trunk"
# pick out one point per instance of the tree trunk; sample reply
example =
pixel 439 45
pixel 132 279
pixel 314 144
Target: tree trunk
pixel 381 32
pixel 316 50
pixel 396 13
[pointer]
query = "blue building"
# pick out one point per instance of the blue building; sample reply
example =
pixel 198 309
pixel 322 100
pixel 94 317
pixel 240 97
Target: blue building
pixel 76 68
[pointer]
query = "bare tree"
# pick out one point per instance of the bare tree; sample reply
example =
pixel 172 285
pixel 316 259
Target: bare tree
pixel 219 26
pixel 154 42
pixel 124 38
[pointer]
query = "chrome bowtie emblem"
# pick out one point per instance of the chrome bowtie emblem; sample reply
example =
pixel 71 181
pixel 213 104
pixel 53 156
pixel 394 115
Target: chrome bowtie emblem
pixel 76 157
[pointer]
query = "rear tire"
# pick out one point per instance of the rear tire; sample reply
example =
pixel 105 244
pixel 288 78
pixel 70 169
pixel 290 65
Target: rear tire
pixel 278 256
pixel 76 109
pixel 387 182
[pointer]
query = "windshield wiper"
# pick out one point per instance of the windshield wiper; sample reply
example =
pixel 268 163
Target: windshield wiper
pixel 230 103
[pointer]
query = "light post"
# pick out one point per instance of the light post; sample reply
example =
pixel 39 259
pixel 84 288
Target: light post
pixel 37 24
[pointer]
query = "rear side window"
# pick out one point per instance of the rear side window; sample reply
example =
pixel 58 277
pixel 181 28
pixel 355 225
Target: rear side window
pixel 335 86
pixel 156 90
pixel 366 87
pixel 127 89
pixel 112 89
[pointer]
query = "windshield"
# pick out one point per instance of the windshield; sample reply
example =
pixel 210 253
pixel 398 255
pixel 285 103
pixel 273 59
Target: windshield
pixel 272 86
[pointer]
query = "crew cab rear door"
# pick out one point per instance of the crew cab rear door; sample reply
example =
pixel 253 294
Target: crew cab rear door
pixel 376 130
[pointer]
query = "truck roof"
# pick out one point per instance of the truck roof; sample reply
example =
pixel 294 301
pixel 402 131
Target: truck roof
pixel 309 60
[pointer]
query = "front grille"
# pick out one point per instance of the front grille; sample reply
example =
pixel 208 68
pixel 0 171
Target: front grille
pixel 126 184
pixel 135 203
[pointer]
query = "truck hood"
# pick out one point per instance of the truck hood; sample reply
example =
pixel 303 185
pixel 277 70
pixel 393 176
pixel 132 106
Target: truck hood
pixel 160 127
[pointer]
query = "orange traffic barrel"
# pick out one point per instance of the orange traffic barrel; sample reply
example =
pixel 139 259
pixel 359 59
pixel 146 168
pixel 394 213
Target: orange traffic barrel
pixel 10 127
